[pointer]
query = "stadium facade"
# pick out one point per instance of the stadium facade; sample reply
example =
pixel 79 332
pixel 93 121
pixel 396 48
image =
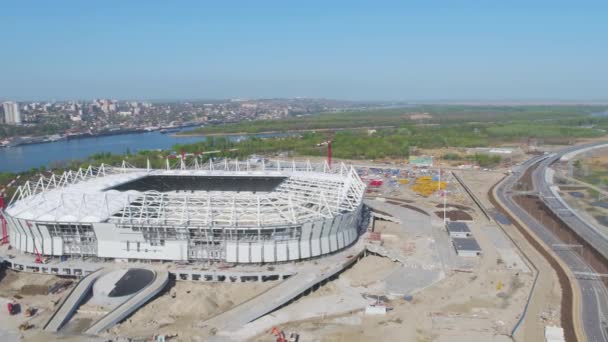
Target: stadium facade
pixel 237 212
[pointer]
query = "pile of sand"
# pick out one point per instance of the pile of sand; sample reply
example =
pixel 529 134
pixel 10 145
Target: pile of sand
pixel 24 283
pixel 193 303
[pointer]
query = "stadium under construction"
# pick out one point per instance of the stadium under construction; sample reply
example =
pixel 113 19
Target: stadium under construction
pixel 230 211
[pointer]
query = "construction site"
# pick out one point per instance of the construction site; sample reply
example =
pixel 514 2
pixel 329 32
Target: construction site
pixel 267 250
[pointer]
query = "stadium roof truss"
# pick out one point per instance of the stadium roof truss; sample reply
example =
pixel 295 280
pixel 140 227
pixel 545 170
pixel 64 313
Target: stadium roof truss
pixel 310 192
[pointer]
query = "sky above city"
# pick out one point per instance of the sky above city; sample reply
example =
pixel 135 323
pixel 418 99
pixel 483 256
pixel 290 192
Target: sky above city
pixel 370 50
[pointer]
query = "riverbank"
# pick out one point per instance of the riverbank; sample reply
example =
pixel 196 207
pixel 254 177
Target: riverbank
pixel 287 132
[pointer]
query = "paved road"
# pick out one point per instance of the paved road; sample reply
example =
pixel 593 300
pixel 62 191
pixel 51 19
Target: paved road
pixel 161 279
pixel 284 292
pixel 72 301
pixel 593 292
pixel 549 195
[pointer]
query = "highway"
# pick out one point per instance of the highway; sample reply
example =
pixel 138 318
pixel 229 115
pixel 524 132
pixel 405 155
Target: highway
pixel 594 297
pixel 545 187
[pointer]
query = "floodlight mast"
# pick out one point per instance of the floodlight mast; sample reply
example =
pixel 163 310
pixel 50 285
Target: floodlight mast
pixel 3 221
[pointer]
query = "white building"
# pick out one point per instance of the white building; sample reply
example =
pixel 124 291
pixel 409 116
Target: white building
pixel 12 116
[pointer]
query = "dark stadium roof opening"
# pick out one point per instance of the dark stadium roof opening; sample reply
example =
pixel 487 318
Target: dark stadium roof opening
pixel 167 183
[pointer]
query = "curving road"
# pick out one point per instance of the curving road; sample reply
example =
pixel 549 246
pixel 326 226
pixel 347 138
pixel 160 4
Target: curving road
pixel 71 302
pixel 158 283
pixel 594 297
pixel 543 182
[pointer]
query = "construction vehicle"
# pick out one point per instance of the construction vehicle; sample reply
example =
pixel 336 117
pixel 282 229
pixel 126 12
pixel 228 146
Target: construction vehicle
pixel 25 326
pixel 279 334
pixel 30 311
pixel 12 308
pixel 293 337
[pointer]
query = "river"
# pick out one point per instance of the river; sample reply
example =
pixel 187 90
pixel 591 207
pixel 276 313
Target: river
pixel 25 157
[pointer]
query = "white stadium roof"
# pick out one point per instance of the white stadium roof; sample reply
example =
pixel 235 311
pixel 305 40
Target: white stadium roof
pixel 307 193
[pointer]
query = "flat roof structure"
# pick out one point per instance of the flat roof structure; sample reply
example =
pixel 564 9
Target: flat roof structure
pixel 466 246
pixel 458 227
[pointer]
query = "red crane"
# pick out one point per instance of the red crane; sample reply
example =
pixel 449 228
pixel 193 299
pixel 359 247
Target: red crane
pixel 328 144
pixel 329 141
pixel 3 221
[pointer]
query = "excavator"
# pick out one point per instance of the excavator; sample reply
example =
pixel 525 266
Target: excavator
pixel 293 337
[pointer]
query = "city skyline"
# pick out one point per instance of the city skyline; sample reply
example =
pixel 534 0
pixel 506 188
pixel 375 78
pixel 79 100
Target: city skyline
pixel 419 51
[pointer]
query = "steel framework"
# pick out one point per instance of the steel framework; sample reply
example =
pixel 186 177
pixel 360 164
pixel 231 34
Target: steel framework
pixel 309 192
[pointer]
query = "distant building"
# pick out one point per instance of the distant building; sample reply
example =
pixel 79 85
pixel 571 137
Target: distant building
pixel 501 151
pixel 12 116
pixel 421 161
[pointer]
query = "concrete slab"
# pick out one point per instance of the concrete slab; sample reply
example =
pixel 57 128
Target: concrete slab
pixel 506 249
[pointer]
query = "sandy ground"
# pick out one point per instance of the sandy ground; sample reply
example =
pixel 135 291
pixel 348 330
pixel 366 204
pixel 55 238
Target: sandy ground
pixel 194 302
pixel 481 303
pixel 26 289
pixel 369 270
pixel 464 304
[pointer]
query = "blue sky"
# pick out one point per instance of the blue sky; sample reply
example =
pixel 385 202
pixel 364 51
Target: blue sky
pixel 374 50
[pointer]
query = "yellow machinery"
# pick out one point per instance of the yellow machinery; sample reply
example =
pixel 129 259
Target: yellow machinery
pixel 425 185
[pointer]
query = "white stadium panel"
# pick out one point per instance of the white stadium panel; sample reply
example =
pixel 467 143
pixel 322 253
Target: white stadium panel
pixel 47 246
pixel 22 243
pixel 317 229
pixel 293 250
pixel 346 221
pixel 14 233
pixel 340 238
pixel 243 251
pixel 281 247
pixel 306 231
pixel 352 235
pixel 325 245
pixel 305 240
pixel 333 242
pixel 305 249
pixel 256 253
pixel 110 249
pixel 335 226
pixel 269 251
pixel 231 250
pixel 46 239
pixel 327 225
pixel 57 246
pixel 315 249
pixel 315 240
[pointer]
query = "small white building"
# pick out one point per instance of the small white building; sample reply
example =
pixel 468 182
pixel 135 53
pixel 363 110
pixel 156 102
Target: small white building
pixel 554 334
pixel 458 229
pixel 497 150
